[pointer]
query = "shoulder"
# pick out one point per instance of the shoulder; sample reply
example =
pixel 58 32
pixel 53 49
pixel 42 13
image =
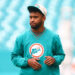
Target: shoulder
pixel 52 33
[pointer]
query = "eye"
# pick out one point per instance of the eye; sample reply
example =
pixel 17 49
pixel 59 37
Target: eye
pixel 35 16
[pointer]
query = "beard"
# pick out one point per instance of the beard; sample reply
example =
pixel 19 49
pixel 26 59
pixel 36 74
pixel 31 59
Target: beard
pixel 36 26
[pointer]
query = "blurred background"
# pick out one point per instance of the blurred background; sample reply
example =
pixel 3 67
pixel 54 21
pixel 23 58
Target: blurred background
pixel 14 19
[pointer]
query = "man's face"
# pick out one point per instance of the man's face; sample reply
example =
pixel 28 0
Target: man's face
pixel 36 20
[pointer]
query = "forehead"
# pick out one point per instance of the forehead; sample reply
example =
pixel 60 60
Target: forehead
pixel 35 14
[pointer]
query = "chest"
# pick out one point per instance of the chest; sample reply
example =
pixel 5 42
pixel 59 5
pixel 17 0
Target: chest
pixel 38 47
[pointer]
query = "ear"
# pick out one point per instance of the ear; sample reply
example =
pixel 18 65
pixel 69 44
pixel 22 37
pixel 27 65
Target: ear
pixel 44 18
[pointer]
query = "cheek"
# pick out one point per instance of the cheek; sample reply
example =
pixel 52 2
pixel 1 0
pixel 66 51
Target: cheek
pixel 38 20
pixel 30 20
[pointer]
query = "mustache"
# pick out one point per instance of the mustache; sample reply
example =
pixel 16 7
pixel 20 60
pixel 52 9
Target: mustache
pixel 32 23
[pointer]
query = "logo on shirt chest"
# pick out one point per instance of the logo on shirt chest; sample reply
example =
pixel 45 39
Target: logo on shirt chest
pixel 36 50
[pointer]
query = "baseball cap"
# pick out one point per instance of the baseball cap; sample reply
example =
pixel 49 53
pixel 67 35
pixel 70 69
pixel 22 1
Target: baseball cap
pixel 38 7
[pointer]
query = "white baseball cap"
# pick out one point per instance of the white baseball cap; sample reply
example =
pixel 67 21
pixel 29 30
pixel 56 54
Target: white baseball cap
pixel 39 8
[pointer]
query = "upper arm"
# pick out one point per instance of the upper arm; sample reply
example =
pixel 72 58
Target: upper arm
pixel 57 46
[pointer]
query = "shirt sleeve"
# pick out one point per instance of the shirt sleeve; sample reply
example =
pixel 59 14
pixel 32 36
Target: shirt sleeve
pixel 17 55
pixel 58 52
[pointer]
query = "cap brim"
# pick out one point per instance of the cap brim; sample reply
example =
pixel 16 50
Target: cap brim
pixel 33 8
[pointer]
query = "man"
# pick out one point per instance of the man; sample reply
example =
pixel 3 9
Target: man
pixel 39 50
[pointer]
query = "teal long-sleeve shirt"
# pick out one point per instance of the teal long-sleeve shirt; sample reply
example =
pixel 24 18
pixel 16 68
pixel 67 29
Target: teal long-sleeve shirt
pixel 28 45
